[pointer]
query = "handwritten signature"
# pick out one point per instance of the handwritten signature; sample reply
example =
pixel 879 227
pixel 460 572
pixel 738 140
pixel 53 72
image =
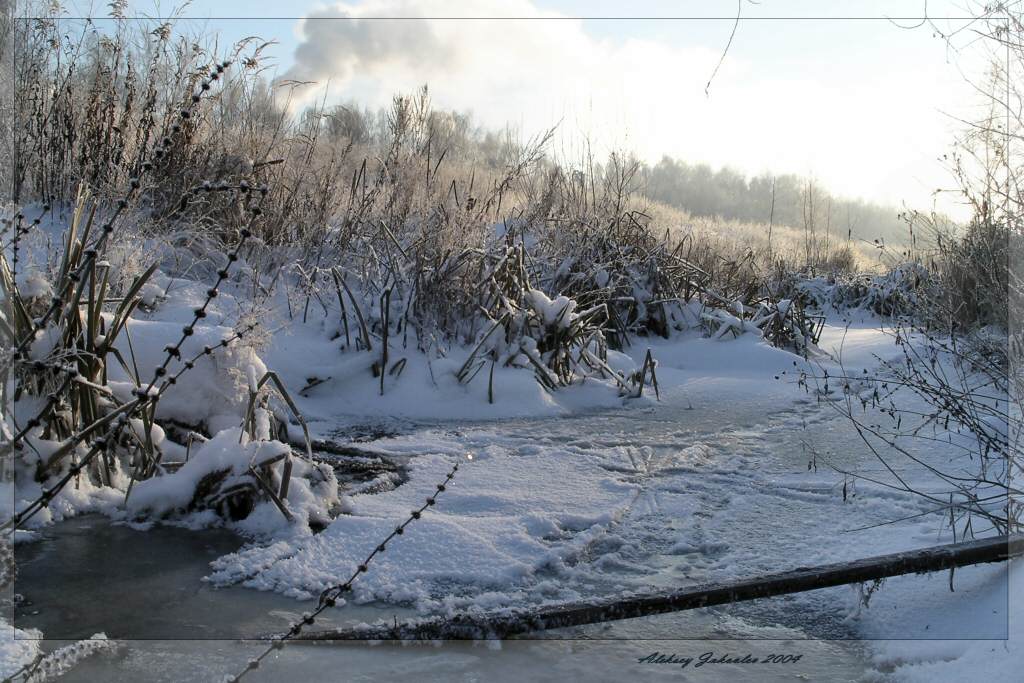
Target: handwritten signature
pixel 708 658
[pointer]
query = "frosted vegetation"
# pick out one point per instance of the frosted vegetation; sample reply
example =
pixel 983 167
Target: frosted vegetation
pixel 199 290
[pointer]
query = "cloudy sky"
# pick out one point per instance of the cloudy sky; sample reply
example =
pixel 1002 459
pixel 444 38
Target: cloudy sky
pixel 836 90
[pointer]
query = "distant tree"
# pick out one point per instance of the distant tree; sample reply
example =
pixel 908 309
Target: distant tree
pixel 767 198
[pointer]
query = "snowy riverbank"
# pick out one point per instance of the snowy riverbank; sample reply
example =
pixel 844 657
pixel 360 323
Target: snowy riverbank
pixel 711 482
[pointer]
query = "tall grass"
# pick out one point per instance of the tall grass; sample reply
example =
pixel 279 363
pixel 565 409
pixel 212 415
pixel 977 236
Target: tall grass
pixel 404 221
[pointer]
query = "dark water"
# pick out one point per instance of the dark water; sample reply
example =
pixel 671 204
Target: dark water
pixel 88 576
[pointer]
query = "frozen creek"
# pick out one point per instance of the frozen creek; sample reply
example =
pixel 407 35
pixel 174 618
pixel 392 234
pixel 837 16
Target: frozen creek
pixel 669 495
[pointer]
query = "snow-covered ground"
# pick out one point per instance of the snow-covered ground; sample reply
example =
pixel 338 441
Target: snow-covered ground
pixel 577 494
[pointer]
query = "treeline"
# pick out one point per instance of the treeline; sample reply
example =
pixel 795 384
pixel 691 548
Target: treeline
pixel 780 199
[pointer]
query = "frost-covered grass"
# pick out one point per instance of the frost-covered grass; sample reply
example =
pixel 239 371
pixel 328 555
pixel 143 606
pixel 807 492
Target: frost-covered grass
pixel 548 509
pixel 134 323
pixel 166 348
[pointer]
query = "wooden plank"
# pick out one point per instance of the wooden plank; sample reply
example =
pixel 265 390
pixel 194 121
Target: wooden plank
pixel 631 606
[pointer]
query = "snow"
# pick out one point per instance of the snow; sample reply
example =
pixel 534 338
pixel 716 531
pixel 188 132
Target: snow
pixel 160 495
pixel 426 389
pixel 32 285
pixel 231 452
pixel 507 515
pixel 712 482
pixel 151 294
pixel 510 515
pixel 988 644
pixel 508 531
pixel 557 312
pixel 17 647
pixel 208 394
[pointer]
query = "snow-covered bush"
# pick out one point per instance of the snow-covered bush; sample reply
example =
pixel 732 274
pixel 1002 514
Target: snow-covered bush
pixel 87 390
pixel 787 325
pixel 59 333
pixel 900 291
pixel 527 328
pixel 783 323
pixel 239 478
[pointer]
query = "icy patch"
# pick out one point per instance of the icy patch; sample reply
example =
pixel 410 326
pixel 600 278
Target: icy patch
pixel 506 516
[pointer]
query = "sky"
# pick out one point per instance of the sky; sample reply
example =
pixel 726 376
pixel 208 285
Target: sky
pixel 840 91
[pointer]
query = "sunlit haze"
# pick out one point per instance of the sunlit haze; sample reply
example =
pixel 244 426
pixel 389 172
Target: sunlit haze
pixel 845 92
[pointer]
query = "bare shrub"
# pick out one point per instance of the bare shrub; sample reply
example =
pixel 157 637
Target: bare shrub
pixel 960 336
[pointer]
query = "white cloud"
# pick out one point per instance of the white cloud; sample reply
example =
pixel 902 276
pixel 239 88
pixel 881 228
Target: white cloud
pixel 874 135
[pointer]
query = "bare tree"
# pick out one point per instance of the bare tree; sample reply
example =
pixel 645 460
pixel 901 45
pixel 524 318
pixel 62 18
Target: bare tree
pixel 967 304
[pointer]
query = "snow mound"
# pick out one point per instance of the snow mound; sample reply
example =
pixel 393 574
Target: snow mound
pixel 226 461
pixel 213 393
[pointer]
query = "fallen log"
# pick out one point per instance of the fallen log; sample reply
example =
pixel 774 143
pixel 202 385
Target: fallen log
pixel 483 625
